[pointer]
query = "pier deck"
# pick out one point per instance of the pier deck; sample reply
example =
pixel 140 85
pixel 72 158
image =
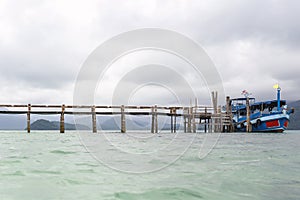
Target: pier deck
pixel 210 116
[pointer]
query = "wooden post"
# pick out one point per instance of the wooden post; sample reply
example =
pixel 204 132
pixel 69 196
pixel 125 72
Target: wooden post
pixel 228 111
pixel 156 120
pixel 153 120
pixel 231 125
pixel 62 119
pixel 220 121
pixel 194 116
pixel 184 119
pixel 189 127
pixel 123 120
pixel 217 120
pixel 215 101
pixel 28 118
pixel 193 120
pixel 172 123
pixel 175 120
pixel 94 119
pixel 249 125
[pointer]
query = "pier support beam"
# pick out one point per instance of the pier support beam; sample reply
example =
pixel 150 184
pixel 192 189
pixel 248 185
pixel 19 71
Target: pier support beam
pixel 216 121
pixel 154 125
pixel 28 118
pixel 123 120
pixel 185 120
pixel 172 124
pixel 229 124
pixel 62 119
pixel 153 119
pixel 94 119
pixel 156 119
pixel 194 111
pixel 249 125
pixel 173 119
pixel 189 120
pixel 214 96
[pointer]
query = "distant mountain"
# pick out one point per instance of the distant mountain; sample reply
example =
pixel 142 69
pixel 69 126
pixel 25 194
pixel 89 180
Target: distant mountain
pixel 43 124
pixel 133 123
pixel 12 122
pixel 295 117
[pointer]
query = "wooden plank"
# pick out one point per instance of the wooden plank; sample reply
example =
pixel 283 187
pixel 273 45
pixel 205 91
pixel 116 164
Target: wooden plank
pixel 12 112
pixel 7 105
pixel 46 106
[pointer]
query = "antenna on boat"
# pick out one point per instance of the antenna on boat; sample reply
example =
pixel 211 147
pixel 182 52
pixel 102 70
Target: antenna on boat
pixel 276 86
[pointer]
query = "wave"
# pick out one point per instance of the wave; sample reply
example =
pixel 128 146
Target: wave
pixel 62 152
pixel 161 193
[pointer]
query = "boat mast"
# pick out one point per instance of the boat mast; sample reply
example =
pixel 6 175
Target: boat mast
pixel 276 86
pixel 278 99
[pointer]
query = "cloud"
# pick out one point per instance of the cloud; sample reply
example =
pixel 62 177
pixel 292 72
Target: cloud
pixel 44 43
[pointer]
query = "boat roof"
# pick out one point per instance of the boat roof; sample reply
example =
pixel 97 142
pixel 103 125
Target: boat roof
pixel 259 105
pixel 272 103
pixel 242 99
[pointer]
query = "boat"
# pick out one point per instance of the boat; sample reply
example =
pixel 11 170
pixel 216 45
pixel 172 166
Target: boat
pixel 265 116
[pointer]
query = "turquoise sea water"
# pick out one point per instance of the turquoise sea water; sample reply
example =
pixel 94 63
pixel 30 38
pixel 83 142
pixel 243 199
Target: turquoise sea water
pixel 49 165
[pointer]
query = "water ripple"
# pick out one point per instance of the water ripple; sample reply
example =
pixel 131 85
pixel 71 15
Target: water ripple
pixel 161 193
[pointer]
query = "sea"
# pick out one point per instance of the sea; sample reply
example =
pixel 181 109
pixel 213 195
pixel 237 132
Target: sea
pixel 139 165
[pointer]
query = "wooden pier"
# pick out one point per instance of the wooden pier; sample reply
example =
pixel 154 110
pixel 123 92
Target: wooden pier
pixel 210 117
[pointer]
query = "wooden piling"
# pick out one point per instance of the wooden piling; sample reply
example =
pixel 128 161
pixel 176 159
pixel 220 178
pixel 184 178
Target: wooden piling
pixel 123 120
pixel 194 127
pixel 175 120
pixel 154 124
pixel 189 123
pixel 153 120
pixel 156 120
pixel 249 125
pixel 231 125
pixel 94 119
pixel 184 120
pixel 28 118
pixel 215 101
pixel 62 119
pixel 194 111
pixel 227 127
pixel 172 123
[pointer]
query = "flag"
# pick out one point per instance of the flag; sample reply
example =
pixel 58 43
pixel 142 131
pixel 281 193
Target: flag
pixel 276 86
pixel 246 93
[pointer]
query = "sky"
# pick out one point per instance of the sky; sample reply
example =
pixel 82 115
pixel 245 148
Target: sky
pixel 44 44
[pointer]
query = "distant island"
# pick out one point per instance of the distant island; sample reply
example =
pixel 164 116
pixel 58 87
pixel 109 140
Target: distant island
pixel 295 118
pixel 107 124
pixel 43 124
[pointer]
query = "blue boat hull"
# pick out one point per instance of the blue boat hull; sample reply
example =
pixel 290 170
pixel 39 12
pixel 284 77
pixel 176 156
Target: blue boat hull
pixel 268 123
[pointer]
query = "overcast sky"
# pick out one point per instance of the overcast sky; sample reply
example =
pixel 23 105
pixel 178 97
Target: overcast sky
pixel 43 44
